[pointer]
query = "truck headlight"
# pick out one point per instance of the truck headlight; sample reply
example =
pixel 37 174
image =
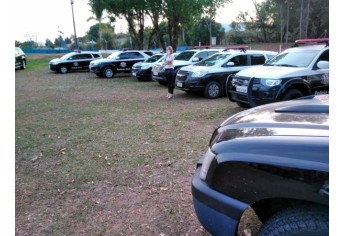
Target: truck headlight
pixel 208 158
pixel 270 82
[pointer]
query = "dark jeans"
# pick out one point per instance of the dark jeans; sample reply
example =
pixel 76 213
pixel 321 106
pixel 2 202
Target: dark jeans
pixel 169 75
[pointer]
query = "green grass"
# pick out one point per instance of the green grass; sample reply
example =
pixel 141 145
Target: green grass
pixel 107 156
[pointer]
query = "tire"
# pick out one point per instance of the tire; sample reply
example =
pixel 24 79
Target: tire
pixel 108 72
pixel 99 75
pixel 213 90
pixel 23 64
pixel 297 221
pixel 63 69
pixel 292 94
pixel 162 83
pixel 243 105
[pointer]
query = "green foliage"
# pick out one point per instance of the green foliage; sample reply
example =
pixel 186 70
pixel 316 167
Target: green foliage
pixel 93 33
pixel 200 32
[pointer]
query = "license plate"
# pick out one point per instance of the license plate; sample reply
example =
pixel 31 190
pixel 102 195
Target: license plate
pixel 134 74
pixel 155 73
pixel 179 84
pixel 241 89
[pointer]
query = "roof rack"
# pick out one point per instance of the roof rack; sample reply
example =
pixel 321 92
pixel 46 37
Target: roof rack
pixel 77 50
pixel 311 41
pixel 126 49
pixel 242 48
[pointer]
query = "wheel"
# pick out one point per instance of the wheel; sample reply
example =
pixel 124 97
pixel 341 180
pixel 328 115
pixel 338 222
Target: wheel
pixel 292 94
pixel 243 105
pixel 212 90
pixel 23 64
pixel 99 74
pixel 108 72
pixel 162 82
pixel 297 221
pixel 63 69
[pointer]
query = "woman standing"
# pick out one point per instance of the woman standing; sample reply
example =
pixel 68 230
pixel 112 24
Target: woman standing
pixel 169 72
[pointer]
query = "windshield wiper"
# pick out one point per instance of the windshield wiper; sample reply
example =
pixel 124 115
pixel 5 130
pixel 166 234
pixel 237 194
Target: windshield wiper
pixel 287 65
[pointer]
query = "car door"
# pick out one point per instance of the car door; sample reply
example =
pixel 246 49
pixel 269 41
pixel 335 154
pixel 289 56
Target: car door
pixel 84 60
pixel 123 62
pixel 136 57
pixel 319 81
pixel 18 58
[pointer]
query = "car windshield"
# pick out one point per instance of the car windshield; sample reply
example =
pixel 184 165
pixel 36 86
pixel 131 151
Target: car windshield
pixel 66 56
pixel 293 59
pixel 185 56
pixel 114 55
pixel 154 58
pixel 212 60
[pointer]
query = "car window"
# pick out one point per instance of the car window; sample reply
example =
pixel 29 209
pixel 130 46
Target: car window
pixel 96 55
pixel 240 60
pixel 135 55
pixel 214 59
pixel 154 58
pixel 185 56
pixel 201 55
pixel 85 56
pixel 125 55
pixel 257 59
pixel 293 59
pixel 148 53
pixel 210 53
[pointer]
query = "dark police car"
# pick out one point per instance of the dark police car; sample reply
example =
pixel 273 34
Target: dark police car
pixel 142 70
pixel 209 75
pixel 20 59
pixel 73 61
pixel 299 71
pixel 118 62
pixel 273 159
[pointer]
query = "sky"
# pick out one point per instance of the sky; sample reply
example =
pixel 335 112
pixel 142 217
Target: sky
pixel 44 18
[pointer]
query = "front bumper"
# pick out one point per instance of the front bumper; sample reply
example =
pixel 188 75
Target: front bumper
pixel 218 213
pixel 160 76
pixel 53 67
pixel 141 73
pixel 260 95
pixel 95 69
pixel 194 86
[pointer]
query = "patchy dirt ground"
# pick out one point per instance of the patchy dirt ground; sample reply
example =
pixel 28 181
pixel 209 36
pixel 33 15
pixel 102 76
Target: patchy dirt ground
pixel 108 156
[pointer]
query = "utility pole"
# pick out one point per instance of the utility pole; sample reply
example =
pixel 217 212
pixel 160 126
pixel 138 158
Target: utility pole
pixel 75 34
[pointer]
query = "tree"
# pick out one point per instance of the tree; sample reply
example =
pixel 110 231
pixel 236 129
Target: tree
pixel 97 8
pixel 200 32
pixel 49 43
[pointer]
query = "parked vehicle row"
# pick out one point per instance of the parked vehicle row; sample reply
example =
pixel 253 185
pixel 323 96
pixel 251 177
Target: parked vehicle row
pixel 247 77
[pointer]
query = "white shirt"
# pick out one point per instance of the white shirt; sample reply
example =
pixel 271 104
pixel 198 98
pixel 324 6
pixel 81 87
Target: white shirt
pixel 169 58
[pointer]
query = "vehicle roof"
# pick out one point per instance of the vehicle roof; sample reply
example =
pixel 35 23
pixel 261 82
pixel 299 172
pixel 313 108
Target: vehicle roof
pixel 247 52
pixel 308 47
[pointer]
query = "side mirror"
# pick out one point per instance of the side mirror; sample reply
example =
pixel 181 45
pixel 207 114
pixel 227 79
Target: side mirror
pixel 230 63
pixel 323 64
pixel 195 59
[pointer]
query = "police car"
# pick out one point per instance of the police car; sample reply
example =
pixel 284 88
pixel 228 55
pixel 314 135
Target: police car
pixel 20 58
pixel 117 62
pixel 185 58
pixel 209 75
pixel 73 61
pixel 298 71
pixel 142 70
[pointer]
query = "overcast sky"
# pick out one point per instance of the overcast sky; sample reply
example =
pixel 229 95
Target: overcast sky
pixel 41 19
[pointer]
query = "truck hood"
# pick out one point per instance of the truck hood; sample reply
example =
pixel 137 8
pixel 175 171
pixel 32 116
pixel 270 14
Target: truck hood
pixel 182 63
pixel 273 72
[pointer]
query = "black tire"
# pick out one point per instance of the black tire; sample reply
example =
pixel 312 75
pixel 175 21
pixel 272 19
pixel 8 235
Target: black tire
pixel 108 72
pixel 63 69
pixel 297 221
pixel 292 94
pixel 162 83
pixel 99 74
pixel 23 64
pixel 213 90
pixel 243 105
